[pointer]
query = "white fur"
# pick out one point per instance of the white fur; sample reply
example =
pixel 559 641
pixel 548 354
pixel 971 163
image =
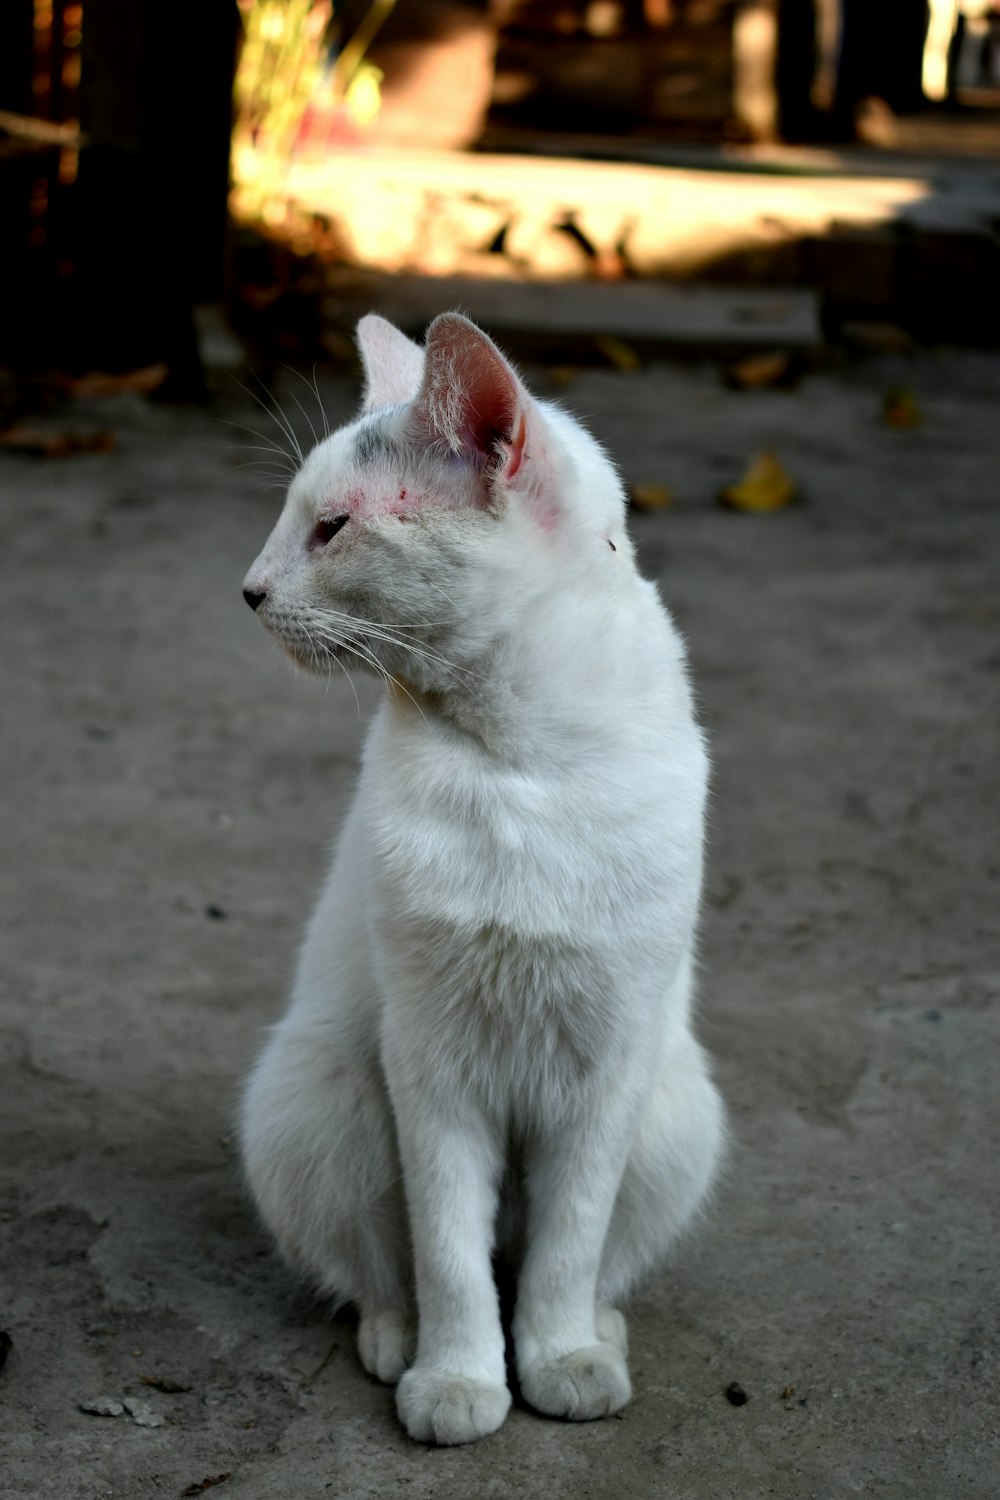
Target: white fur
pixel 489 1041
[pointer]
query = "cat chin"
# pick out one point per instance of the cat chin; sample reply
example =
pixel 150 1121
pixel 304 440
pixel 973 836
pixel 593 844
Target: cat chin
pixel 309 659
pixel 298 658
pixel 320 661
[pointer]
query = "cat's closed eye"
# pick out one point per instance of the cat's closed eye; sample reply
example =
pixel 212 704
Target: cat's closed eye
pixel 325 530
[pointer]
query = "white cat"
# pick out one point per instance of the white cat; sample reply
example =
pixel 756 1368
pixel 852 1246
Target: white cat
pixel 489 1042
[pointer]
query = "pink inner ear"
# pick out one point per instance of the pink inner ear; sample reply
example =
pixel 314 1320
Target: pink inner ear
pixel 470 395
pixel 472 400
pixel 488 397
pixel 514 448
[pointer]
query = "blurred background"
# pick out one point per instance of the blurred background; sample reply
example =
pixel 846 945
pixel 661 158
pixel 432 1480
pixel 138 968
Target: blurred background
pixel 572 170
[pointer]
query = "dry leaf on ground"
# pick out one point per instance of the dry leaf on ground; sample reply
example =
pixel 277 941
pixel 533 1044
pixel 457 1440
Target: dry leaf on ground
pixel 208 1483
pixel 618 353
pixel 164 1383
pixel 765 486
pixel 55 442
pixel 758 371
pixel 650 497
pixel 100 383
pixel 900 408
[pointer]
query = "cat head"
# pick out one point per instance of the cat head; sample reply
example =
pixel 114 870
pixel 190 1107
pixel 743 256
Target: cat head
pixel 423 531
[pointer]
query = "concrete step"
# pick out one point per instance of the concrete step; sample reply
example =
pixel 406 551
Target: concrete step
pixel 570 318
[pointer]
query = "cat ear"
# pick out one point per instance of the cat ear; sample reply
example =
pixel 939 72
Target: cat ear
pixel 393 364
pixel 473 402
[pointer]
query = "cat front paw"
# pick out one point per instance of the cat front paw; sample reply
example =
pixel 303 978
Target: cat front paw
pixel 580 1386
pixel 436 1406
pixel 386 1341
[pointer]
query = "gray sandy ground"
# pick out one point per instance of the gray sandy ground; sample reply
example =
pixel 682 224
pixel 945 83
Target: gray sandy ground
pixel 169 789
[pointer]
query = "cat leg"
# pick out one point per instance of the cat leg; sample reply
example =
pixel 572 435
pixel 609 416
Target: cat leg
pixel 456 1390
pixel 672 1158
pixel 611 1327
pixel 386 1340
pixel 570 1352
pixel 387 1324
pixel 320 1155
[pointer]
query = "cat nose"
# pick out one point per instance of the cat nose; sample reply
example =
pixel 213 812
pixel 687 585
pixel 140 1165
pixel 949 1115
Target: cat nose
pixel 254 599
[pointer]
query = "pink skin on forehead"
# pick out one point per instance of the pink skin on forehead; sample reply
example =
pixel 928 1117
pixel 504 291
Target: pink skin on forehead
pixel 360 503
pixel 375 495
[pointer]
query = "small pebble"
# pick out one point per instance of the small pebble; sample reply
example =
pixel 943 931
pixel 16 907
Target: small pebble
pixel 103 1406
pixel 142 1413
pixel 736 1395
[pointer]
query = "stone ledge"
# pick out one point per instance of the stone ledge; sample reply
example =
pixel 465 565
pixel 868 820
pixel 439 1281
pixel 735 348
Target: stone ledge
pixel 521 217
pixel 919 249
pixel 652 317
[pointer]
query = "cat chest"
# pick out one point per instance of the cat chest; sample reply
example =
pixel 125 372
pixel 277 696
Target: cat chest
pixel 506 1010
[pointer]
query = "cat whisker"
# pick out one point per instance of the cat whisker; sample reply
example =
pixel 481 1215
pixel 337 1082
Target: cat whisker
pixel 427 654
pixel 392 683
pixel 265 445
pixel 273 407
pixel 312 386
pixel 276 414
pixel 253 431
pixel 313 389
pixel 274 451
pixel 302 409
pixel 319 403
pixel 400 630
pixel 264 484
pixel 392 638
pixel 264 480
pixel 276 482
pixel 272 459
pixel 276 460
pixel 338 640
pixel 395 685
pixel 396 638
pixel 329 660
pixel 263 466
pixel 421 624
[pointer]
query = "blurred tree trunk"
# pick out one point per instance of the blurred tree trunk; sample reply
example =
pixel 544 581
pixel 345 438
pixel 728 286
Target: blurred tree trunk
pixel 881 53
pixel 156 110
pixel 795 69
pixel 18 170
pixel 16 38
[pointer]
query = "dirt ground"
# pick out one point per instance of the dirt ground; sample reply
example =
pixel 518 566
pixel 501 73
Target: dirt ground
pixel 170 788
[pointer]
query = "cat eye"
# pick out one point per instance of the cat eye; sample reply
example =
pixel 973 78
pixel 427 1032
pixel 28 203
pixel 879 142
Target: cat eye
pixel 324 531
